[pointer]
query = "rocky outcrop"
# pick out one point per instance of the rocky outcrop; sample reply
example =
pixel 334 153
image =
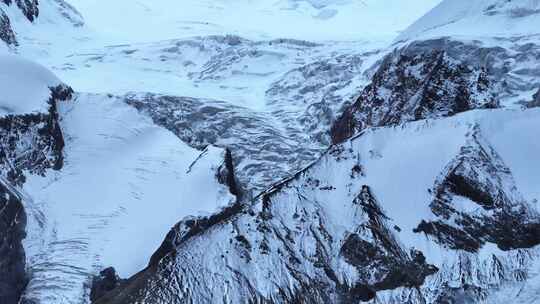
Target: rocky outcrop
pixel 226 175
pixel 536 100
pixel 324 236
pixel 30 8
pixel 494 211
pixel 417 82
pixel 6 31
pixel 31 11
pixel 32 143
pixel 13 276
pixel 105 282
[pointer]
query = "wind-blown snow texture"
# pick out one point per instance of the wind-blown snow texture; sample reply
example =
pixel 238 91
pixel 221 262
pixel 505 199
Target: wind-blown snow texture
pixel 335 231
pixel 124 181
pixel 428 195
pixel 25 86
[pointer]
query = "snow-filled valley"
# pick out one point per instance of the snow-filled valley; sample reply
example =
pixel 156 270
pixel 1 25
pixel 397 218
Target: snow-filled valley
pixel 269 151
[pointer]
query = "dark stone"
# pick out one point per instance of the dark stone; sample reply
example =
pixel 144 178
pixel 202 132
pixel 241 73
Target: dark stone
pixel 33 142
pixel 104 283
pixel 478 174
pixel 6 31
pixel 536 100
pixel 465 294
pixel 380 258
pixel 30 8
pixel 226 176
pixel 242 240
pixel 187 229
pixel 359 252
pixel 464 186
pixel 13 277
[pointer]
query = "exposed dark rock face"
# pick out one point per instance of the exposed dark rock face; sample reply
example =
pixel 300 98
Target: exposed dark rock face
pixel 383 255
pixel 536 100
pixel 32 142
pixel 192 226
pixel 478 176
pixel 13 277
pixel 226 175
pixel 30 8
pixel 465 294
pixel 6 32
pixel 105 282
pixel 416 83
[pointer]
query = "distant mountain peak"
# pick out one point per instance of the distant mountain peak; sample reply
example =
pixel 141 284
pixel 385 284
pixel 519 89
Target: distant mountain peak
pixel 486 18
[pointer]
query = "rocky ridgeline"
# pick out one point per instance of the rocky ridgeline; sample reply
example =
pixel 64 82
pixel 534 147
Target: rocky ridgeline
pixel 442 77
pixel 479 175
pixel 322 236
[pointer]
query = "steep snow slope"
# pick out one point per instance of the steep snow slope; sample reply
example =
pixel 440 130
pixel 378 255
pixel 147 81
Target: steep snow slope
pixel 438 71
pixel 294 86
pixel 342 229
pixel 124 183
pixel 281 96
pixel 25 86
pixel 31 142
pixel 477 20
pixel 37 23
pixel 271 102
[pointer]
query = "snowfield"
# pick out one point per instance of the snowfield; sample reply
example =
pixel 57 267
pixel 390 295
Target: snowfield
pixel 25 86
pixel 124 183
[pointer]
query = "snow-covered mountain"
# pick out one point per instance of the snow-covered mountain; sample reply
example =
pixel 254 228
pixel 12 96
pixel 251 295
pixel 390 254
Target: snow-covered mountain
pixel 372 215
pixel 28 19
pixel 196 156
pixel 477 20
pixel 453 198
pixel 78 171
